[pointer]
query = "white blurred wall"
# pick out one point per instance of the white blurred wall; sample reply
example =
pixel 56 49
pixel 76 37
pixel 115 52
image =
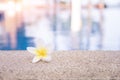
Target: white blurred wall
pixel 111 29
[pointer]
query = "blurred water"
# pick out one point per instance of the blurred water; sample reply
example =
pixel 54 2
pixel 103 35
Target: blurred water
pixel 100 31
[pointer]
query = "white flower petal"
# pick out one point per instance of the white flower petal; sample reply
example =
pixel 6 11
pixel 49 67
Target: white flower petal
pixel 35 59
pixel 47 59
pixel 31 50
pixel 49 47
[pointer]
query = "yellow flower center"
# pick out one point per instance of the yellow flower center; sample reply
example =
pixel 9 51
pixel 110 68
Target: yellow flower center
pixel 42 52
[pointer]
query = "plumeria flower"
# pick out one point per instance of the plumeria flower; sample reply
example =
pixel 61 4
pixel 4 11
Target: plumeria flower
pixel 42 51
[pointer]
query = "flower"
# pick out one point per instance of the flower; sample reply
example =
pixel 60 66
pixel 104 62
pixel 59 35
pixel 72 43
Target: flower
pixel 42 51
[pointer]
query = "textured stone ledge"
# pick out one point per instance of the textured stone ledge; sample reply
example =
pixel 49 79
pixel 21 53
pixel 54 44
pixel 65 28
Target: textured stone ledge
pixel 65 65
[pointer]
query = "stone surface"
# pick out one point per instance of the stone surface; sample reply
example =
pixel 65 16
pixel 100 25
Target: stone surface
pixel 65 65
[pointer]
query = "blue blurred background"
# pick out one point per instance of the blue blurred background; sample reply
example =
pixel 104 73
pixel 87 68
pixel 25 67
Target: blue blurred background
pixel 54 21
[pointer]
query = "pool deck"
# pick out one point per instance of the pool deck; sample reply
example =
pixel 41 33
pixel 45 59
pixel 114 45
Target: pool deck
pixel 65 65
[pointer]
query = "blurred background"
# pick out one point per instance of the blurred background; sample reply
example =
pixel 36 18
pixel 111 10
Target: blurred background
pixel 66 24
